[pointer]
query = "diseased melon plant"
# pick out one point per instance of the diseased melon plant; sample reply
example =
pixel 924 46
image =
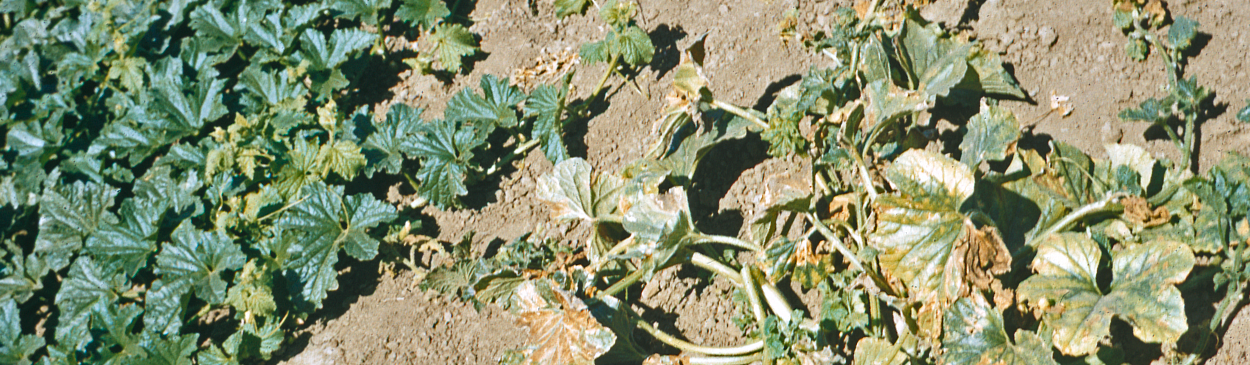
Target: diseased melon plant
pixel 991 253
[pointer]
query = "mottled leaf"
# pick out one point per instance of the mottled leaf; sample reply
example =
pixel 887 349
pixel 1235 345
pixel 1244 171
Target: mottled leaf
pixel 991 136
pixel 560 326
pixel 876 351
pixel 1143 291
pixel 974 334
pixel 574 191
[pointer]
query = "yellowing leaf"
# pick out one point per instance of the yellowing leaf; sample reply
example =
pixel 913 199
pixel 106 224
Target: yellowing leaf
pixel 1143 291
pixel 561 328
pixel 573 191
pixel 876 351
pixel 991 136
pixel 974 334
pixel 1134 157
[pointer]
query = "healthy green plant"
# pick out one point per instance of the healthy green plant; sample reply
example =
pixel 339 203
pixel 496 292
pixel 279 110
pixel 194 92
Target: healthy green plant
pixel 445 42
pixel 918 256
pixel 175 170
pixel 624 43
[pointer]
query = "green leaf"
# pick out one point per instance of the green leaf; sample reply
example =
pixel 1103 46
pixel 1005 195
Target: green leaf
pixel 188 112
pixel 497 104
pixel 253 341
pixel 1150 110
pixel 888 101
pixel 1143 290
pixel 564 8
pixel 634 46
pixel 1243 115
pixel 445 148
pixel 118 342
pixel 87 289
pixel 159 187
pixel 15 347
pixel 323 55
pixel 366 10
pixel 129 243
pixel 451 42
pixel 937 63
pixel 1182 32
pixel 165 304
pixel 595 52
pixel 425 13
pixel 560 326
pixel 547 101
pixel 974 334
pixel 68 215
pixel 169 350
pixel 991 136
pixel 200 258
pixel 384 146
pixel 326 222
pixel 992 77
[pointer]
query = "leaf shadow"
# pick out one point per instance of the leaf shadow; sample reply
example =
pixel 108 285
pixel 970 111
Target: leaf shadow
pixel 667 54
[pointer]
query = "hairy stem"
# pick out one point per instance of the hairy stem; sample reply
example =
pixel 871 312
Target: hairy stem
pixel 667 339
pixel 735 110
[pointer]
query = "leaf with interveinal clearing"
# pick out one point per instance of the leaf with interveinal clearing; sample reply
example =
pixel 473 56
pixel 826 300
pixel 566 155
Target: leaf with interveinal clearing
pixel 876 351
pixel 1182 32
pixel 991 136
pixel 1134 157
pixel 342 157
pixel 69 214
pixel 328 221
pixel 560 327
pixel 564 8
pixel 926 241
pixel 200 258
pixel 496 105
pixel 445 148
pixel 547 102
pixel 451 42
pixel 87 288
pixel 1143 290
pixel 1150 110
pixel 383 147
pixel 573 190
pixel 974 334
pixel 15 347
pixel 425 13
pixel 887 101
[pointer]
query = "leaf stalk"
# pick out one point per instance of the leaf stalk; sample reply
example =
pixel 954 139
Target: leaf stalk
pixel 754 346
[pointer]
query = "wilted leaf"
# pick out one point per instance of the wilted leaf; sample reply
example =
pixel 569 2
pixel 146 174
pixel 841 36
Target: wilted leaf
pixel 561 328
pixel 926 241
pixel 1142 293
pixel 991 136
pixel 573 191
pixel 876 351
pixel 974 334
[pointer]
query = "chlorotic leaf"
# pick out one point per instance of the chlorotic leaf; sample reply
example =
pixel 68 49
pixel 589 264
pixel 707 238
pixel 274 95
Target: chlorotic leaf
pixel 876 351
pixel 200 258
pixel 561 328
pixel 573 191
pixel 564 8
pixel 1143 291
pixel 991 136
pixel 634 46
pixel 974 334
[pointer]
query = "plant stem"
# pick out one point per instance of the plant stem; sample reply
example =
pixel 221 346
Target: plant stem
pixel 667 339
pixel 753 295
pixel 773 297
pixel 863 175
pixel 712 265
pixel 725 360
pixel 603 80
pixel 520 150
pixel 735 110
pixel 623 283
pixel 1231 297
pixel 832 238
pixel 1069 220
pixel 732 241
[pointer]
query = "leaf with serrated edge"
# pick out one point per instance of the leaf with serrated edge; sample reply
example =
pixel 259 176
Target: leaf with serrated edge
pixel 200 258
pixel 1143 291
pixel 974 334
pixel 451 42
pixel 560 332
pixel 991 136
pixel 68 214
pixel 425 13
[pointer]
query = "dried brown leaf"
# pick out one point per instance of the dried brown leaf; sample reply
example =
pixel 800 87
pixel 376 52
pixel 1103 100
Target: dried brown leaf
pixel 561 328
